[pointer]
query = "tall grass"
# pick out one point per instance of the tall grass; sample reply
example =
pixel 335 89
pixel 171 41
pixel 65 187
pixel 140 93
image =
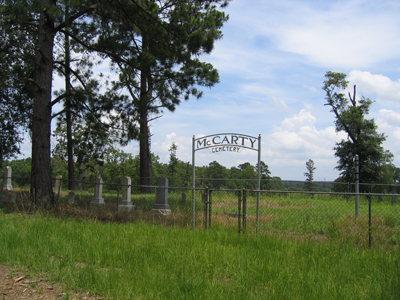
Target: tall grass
pixel 142 261
pixel 318 216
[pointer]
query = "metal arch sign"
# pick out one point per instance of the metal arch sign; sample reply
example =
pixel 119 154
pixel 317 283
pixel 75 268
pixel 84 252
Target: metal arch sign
pixel 232 142
pixel 221 142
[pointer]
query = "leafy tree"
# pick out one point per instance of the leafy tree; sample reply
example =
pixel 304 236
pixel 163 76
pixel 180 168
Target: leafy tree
pixel 363 138
pixel 309 185
pixel 265 172
pixel 117 164
pixel 17 53
pixel 74 63
pixel 265 176
pixel 21 171
pixel 173 160
pixel 155 45
pixel 45 21
pixel 91 145
pixel 275 184
pixel 218 173
pixel 49 25
pixel 247 175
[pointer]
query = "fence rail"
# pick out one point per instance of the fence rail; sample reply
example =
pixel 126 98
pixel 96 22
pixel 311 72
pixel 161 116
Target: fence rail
pixel 317 215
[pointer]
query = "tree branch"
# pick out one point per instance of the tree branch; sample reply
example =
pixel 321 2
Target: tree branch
pixel 95 49
pixel 155 118
pixel 76 16
pixel 62 96
pixel 65 110
pixel 353 100
pixel 59 113
pixel 35 83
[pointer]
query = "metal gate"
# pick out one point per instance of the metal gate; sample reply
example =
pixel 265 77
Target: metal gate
pixel 225 208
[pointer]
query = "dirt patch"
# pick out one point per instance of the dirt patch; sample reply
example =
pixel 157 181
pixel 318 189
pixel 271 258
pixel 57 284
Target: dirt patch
pixel 281 205
pixel 267 205
pixel 299 237
pixel 15 285
pixel 232 219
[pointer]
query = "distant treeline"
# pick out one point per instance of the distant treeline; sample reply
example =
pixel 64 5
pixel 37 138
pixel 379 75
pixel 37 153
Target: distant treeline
pixel 179 173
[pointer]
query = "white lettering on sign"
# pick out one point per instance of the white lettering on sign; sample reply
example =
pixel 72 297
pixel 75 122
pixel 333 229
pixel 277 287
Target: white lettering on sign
pixel 226 142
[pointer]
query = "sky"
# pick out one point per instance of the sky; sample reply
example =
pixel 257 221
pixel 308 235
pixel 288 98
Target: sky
pixel 272 60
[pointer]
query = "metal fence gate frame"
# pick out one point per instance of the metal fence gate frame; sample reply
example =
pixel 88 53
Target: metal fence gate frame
pixel 215 142
pixel 241 208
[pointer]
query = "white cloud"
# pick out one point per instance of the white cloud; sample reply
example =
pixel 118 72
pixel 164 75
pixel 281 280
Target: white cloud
pixel 310 88
pixel 382 86
pixel 296 140
pixel 389 124
pixel 390 117
pixel 303 118
pixel 346 34
pixel 277 103
pixel 183 143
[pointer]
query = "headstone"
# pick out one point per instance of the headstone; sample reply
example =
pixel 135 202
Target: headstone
pixel 98 190
pixel 161 205
pixel 184 197
pixel 57 187
pixel 71 197
pixel 7 178
pixel 13 197
pixel 126 203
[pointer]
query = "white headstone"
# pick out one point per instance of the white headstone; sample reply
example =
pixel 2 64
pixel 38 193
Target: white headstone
pixel 98 190
pixel 126 203
pixel 7 178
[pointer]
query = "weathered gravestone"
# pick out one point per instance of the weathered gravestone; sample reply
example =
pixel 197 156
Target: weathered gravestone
pixel 7 177
pixel 126 203
pixel 71 197
pixel 13 197
pixel 57 187
pixel 98 190
pixel 184 197
pixel 161 205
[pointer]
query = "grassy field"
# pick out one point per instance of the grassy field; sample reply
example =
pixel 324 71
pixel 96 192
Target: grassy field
pixel 142 261
pixel 318 217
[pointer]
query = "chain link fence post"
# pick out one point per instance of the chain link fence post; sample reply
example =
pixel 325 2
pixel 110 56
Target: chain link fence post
pixel 369 221
pixel 244 210
pixel 239 212
pixel 209 208
pixel 205 201
pixel 357 187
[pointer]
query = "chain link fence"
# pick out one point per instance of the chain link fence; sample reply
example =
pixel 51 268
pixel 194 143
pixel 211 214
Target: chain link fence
pixel 317 215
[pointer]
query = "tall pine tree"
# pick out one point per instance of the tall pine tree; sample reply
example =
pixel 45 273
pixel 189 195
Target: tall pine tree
pixel 155 48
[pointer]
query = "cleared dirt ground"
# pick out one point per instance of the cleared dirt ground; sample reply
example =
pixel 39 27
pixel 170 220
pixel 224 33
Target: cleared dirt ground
pixel 15 285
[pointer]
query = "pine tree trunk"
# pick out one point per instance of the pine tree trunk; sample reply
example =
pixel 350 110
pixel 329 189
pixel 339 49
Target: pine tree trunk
pixel 144 136
pixel 70 152
pixel 41 183
pixel 145 162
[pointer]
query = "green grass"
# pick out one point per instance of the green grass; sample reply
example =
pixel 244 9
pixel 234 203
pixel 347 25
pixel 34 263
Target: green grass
pixel 142 261
pixel 321 217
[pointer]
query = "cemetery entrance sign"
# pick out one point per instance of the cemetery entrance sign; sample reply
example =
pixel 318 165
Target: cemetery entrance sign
pixel 225 142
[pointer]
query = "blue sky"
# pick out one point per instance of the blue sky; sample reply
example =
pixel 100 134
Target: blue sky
pixel 272 61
